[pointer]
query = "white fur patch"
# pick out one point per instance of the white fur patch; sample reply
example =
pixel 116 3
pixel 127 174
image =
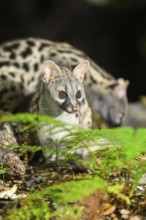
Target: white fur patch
pixel 45 132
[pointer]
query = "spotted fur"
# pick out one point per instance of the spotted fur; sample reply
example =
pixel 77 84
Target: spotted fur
pixel 20 72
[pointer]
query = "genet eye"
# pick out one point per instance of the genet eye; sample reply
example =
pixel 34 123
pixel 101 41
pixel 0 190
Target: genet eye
pixel 78 94
pixel 62 95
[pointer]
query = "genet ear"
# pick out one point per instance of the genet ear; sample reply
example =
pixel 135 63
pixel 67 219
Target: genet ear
pixel 120 90
pixel 51 71
pixel 80 70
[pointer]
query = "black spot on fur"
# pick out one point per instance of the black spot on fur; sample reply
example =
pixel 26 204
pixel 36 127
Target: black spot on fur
pixel 112 86
pixel 4 63
pixel 93 80
pixel 43 45
pixel 52 54
pixel 25 67
pixel 22 79
pixel 12 74
pixel 16 64
pixel 64 51
pixel 30 43
pixel 42 59
pixel 36 67
pixel 3 77
pixel 11 47
pixel 31 80
pixel 26 52
pixel 73 60
pixel 12 55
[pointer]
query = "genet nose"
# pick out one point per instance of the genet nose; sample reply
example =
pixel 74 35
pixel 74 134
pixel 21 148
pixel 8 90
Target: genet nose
pixel 74 108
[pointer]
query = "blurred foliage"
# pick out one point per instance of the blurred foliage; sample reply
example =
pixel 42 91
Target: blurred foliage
pixel 112 164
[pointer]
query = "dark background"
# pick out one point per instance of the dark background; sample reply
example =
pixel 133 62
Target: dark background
pixel 112 34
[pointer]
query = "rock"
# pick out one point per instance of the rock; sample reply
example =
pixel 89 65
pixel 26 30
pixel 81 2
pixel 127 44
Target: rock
pixel 10 160
pixel 6 135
